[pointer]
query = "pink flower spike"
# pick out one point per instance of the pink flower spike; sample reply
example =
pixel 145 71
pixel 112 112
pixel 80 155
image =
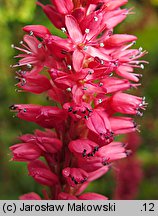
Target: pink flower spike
pixel 75 176
pixel 30 196
pixel 37 30
pixel 41 173
pixel 25 152
pixel 92 196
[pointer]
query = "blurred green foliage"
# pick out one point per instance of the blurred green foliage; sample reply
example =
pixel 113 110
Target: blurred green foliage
pixel 16 14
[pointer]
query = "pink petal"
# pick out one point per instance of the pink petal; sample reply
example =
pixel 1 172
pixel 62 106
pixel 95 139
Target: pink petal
pixel 38 30
pixel 73 29
pixel 77 58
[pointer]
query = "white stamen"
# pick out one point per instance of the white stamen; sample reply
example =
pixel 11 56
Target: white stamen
pixel 69 67
pixel 39 45
pixel 63 29
pixel 101 44
pixel 110 75
pixel 29 65
pixel 101 62
pixel 85 88
pixel 142 66
pixel 12 46
pixel 100 100
pixel 85 48
pixel 31 33
pixel 95 19
pixel 140 49
pixel 68 89
pixel 87 31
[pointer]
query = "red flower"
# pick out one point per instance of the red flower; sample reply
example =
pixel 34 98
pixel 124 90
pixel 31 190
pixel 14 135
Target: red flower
pixel 41 173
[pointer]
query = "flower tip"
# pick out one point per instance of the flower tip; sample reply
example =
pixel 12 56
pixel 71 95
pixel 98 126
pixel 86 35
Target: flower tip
pixel 12 107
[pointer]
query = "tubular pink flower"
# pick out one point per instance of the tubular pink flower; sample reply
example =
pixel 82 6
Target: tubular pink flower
pixel 37 30
pixel 45 116
pixel 25 152
pixel 75 176
pixel 128 104
pixel 31 83
pixel 41 173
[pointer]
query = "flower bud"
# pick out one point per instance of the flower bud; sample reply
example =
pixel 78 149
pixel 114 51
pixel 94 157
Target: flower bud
pixel 25 152
pixel 41 173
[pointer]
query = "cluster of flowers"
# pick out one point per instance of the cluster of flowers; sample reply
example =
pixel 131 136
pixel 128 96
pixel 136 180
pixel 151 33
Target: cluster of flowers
pixel 88 71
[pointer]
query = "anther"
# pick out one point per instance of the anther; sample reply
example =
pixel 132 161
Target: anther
pixel 23 82
pixel 87 30
pixel 96 148
pixel 68 89
pixel 128 152
pixel 12 107
pixel 101 62
pixel 70 109
pixel 74 112
pixel 69 67
pixel 139 113
pixel 31 33
pixel 24 110
pixel 142 66
pixel 95 19
pixel 85 88
pixel 63 52
pixel 21 42
pixel 84 153
pixel 101 44
pixel 85 48
pixel 90 72
pixel 12 46
pixel 100 84
pixel 39 45
pixel 63 29
pixel 100 100
pixel 140 49
pixel 111 74
pixel 29 65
